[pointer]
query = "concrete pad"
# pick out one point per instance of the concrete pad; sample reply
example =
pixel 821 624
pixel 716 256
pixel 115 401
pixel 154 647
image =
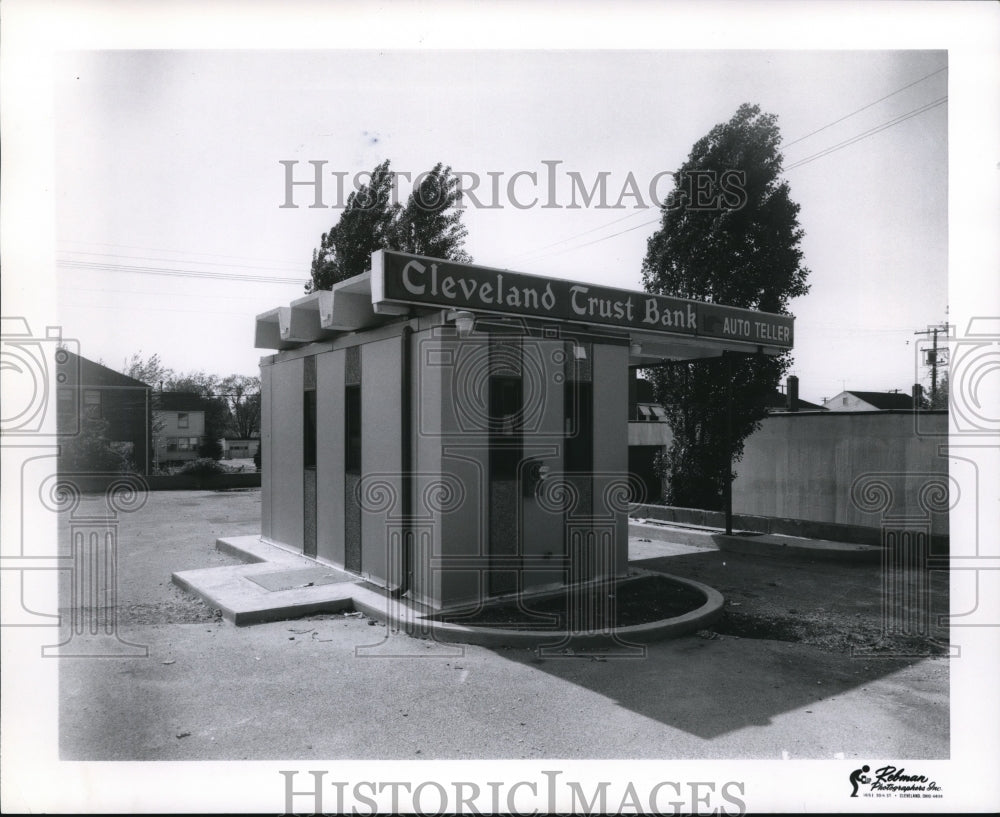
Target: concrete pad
pixel 258 592
pixel 644 547
pixel 792 546
pixel 691 535
pixel 301 577
pixel 699 536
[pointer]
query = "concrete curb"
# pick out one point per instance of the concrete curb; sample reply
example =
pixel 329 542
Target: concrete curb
pixel 244 602
pixel 420 626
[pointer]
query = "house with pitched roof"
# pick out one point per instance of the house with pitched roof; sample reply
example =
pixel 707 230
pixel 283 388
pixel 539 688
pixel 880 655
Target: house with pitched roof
pixel 869 401
pixel 92 396
pixel 180 426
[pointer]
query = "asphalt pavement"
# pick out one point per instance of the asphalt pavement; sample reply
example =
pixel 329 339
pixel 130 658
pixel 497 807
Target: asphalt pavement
pixel 343 686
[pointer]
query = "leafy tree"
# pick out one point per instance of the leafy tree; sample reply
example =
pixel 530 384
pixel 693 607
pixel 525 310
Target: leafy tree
pixel 366 225
pixel 242 393
pixel 91 450
pixel 231 404
pixel 729 234
pixel 195 382
pixel 430 224
pixel 150 371
pixel 939 399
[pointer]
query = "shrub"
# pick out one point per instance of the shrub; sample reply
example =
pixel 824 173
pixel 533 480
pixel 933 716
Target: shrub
pixel 203 467
pixel 210 449
pixel 91 451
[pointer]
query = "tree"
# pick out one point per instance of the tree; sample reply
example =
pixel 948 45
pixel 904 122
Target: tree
pixel 430 224
pixel 150 371
pixel 366 225
pixel 231 404
pixel 939 398
pixel 729 234
pixel 243 396
pixel 195 382
pixel 91 450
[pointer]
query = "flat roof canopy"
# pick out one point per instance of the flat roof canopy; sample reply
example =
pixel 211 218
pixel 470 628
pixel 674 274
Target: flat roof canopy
pixel 658 327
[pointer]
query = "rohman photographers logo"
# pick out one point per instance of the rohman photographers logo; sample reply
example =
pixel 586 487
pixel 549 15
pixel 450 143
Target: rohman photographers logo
pixel 550 188
pixel 888 781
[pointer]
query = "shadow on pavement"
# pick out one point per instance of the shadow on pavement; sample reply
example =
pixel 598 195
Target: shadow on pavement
pixel 710 688
pixel 794 634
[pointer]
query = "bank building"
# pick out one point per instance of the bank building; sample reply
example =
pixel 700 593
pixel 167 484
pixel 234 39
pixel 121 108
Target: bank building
pixel 455 433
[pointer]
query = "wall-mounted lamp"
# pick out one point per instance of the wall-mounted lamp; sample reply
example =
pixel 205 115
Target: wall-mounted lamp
pixel 464 321
pixel 635 349
pixel 579 351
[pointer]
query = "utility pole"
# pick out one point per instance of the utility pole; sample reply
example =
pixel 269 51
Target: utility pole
pixel 728 484
pixel 933 360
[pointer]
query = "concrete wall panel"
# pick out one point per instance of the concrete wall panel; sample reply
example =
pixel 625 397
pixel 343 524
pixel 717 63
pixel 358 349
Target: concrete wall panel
pixel 380 446
pixel 286 453
pixel 330 456
pixel 611 439
pixel 425 383
pixel 266 461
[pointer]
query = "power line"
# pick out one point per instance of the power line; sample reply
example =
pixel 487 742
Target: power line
pixel 597 240
pixel 864 107
pixel 577 235
pixel 798 163
pixel 244 315
pixel 175 260
pixel 288 264
pixel 806 160
pixel 147 293
pixel 871 132
pixel 605 238
pixel 180 273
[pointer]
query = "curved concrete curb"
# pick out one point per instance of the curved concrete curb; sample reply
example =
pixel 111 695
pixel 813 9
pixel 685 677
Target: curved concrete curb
pixel 237 592
pixel 419 626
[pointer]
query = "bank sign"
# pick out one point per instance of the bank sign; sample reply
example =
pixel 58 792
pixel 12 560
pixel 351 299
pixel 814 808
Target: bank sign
pixel 401 278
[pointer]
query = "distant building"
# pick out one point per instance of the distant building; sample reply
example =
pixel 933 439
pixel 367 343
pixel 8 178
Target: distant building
pixel 869 401
pixel 179 420
pixel 240 449
pixel 92 391
pixel 788 400
pixel 648 435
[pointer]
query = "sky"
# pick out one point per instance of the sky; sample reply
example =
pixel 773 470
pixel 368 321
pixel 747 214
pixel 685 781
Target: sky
pixel 168 163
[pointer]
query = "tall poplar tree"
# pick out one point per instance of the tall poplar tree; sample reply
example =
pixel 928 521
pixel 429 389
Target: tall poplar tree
pixel 729 234
pixel 367 224
pixel 429 224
